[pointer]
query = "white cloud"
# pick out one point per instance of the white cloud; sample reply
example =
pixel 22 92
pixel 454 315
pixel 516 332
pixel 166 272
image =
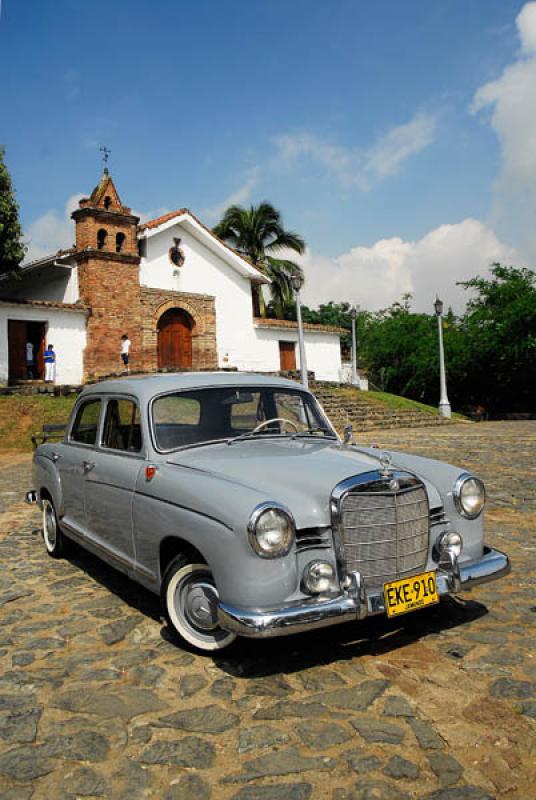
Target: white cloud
pixel 511 101
pixel 362 167
pixel 376 276
pixel 52 231
pixel 212 214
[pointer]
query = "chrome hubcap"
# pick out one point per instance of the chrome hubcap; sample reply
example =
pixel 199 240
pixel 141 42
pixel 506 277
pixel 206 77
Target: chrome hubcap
pixel 200 605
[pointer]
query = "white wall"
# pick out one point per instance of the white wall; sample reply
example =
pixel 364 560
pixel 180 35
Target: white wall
pixel 240 344
pixel 322 351
pixel 65 329
pixel 61 289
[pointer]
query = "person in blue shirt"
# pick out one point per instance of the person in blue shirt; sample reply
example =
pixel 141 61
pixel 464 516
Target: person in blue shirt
pixel 50 364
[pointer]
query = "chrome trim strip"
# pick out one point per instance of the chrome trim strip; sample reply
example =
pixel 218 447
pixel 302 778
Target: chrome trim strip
pixel 352 605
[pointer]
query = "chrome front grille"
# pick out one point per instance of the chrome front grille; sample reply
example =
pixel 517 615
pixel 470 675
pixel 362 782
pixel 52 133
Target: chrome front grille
pixel 384 533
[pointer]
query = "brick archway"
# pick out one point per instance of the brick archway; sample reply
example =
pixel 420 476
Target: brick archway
pixel 198 328
pixel 201 310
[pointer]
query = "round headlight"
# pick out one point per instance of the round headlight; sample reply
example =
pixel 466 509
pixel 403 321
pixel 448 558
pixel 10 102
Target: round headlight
pixel 469 495
pixel 451 542
pixel 271 530
pixel 318 577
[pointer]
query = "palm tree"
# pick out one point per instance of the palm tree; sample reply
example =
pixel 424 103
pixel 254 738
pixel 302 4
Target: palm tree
pixel 256 233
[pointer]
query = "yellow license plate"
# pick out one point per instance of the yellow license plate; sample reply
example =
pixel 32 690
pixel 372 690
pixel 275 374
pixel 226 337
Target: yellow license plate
pixel 410 594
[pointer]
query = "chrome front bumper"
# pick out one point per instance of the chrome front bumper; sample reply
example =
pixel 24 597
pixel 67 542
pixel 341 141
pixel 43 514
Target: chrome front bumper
pixel 355 603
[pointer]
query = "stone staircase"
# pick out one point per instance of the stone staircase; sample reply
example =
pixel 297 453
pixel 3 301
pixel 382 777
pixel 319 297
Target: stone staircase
pixel 345 405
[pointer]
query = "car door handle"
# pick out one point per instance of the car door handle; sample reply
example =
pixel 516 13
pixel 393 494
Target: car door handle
pixel 88 466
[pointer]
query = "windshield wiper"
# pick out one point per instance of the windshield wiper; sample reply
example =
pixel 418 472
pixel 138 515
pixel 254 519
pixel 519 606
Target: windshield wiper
pixel 313 431
pixel 199 444
pixel 250 435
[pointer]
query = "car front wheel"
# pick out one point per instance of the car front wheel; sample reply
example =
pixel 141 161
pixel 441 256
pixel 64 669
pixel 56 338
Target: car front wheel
pixel 52 536
pixel 190 601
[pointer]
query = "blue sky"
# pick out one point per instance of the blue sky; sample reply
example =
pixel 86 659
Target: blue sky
pixel 360 121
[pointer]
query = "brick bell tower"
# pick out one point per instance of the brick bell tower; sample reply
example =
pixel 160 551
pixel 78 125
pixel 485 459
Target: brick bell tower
pixel 108 278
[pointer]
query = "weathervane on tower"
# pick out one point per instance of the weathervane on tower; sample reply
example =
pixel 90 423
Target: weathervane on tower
pixel 105 156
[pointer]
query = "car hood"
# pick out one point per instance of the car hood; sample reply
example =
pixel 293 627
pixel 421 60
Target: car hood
pixel 300 474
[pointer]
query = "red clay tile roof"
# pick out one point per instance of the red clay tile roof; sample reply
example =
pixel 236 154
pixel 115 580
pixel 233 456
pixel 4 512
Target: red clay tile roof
pixel 47 303
pixel 308 326
pixel 154 223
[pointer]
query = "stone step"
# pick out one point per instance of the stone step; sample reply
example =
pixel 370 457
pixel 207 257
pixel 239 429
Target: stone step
pixel 344 404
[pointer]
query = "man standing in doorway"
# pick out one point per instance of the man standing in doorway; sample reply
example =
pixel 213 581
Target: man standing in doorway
pixel 125 349
pixel 50 364
pixel 29 360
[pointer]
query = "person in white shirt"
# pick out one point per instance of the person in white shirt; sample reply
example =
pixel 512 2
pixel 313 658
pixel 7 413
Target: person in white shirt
pixel 29 360
pixel 125 349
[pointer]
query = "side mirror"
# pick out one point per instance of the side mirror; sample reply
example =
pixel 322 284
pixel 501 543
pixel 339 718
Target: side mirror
pixel 348 434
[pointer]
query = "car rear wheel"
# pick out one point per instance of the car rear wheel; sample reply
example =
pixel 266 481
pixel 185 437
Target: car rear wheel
pixel 52 536
pixel 190 601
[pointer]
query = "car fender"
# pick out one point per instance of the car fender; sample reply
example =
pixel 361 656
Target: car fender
pixel 46 477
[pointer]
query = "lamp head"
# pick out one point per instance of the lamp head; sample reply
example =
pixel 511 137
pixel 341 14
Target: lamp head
pixel 438 305
pixel 296 281
pixel 353 313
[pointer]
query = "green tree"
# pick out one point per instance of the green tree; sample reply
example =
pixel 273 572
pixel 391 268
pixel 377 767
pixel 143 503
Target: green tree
pixel 12 248
pixel 499 329
pixel 401 352
pixel 258 234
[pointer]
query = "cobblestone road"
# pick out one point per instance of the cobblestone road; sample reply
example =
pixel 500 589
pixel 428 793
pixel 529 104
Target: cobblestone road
pixel 96 702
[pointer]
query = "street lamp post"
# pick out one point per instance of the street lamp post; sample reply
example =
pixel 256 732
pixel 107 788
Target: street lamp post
pixel 444 405
pixel 355 379
pixel 297 282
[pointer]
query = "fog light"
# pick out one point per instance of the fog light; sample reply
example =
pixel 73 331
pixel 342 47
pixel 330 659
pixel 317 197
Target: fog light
pixel 450 542
pixel 319 577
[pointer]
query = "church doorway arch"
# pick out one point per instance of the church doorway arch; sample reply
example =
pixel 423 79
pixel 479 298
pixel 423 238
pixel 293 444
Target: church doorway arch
pixel 175 328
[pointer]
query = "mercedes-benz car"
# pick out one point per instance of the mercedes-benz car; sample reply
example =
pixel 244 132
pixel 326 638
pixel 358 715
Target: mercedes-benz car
pixel 233 498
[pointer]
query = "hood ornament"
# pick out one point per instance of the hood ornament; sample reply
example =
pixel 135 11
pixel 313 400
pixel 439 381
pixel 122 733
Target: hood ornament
pixel 386 461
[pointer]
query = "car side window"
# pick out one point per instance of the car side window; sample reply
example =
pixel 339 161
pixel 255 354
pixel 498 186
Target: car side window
pixel 122 428
pixel 86 423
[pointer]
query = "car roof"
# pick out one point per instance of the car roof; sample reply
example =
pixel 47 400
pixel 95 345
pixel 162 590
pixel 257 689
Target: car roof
pixel 146 386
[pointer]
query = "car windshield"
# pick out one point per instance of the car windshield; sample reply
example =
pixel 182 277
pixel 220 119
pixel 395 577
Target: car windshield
pixel 185 419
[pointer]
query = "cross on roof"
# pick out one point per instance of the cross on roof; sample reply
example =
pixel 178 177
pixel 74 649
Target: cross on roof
pixel 105 156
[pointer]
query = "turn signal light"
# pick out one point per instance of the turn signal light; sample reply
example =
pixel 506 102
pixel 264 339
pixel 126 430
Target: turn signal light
pixel 150 472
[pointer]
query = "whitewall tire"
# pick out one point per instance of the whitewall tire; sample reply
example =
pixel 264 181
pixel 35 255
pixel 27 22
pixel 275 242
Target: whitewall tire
pixel 190 601
pixel 52 536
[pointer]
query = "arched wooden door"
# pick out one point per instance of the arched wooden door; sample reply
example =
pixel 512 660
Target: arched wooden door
pixel 175 340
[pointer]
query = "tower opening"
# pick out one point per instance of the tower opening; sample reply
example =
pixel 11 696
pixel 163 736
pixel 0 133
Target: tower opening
pixel 102 234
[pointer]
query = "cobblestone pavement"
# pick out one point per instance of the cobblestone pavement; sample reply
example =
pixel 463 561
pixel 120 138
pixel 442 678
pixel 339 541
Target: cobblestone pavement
pixel 95 701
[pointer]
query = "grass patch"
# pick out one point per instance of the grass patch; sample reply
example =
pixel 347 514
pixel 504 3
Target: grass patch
pixel 393 401
pixel 20 416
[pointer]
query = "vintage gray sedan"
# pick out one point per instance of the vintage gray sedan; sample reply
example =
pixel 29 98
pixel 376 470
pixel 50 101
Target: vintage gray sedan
pixel 232 497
